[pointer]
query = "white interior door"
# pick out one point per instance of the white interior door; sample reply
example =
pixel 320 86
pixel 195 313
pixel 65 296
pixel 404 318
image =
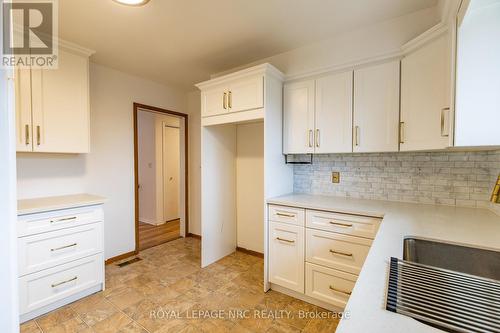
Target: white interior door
pixel 171 172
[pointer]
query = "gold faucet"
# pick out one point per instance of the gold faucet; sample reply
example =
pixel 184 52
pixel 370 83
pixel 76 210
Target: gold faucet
pixel 496 191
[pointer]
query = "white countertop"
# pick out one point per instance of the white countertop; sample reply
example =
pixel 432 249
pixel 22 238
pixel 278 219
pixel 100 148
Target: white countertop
pixel 366 306
pixel 38 205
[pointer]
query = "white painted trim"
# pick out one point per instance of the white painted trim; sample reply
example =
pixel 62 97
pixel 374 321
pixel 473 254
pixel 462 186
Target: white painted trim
pixel 425 37
pixel 387 56
pixel 264 69
pixel 149 221
pixel 75 48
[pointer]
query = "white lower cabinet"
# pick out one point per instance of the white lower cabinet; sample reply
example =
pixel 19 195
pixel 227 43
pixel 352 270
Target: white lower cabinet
pixel 286 256
pixel 60 258
pixel 329 285
pixel 318 259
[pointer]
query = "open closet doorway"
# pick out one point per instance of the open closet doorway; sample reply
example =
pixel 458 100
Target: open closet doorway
pixel 160 148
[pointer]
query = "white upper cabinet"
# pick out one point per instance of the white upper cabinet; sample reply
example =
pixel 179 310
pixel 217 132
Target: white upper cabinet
pixel 298 117
pixel 333 133
pixel 53 112
pixel 239 94
pixel 60 102
pixel 477 111
pixel 376 108
pixel 246 94
pixel 24 128
pixel 214 101
pixel 425 96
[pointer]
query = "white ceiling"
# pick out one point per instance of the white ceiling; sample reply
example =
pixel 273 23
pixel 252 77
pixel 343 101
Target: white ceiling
pixel 181 42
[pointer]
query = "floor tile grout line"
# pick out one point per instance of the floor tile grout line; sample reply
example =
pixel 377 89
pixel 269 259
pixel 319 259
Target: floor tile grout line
pixel 126 315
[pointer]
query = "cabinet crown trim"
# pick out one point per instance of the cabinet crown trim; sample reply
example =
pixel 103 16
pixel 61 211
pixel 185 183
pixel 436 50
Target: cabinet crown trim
pixel 255 70
pixel 425 37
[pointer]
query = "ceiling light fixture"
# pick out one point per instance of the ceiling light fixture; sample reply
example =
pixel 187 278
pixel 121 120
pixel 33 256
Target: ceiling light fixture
pixel 132 2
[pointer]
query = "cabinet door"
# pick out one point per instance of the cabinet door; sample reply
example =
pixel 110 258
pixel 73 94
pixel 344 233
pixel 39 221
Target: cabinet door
pixel 214 101
pixel 376 108
pixel 246 94
pixel 24 133
pixel 60 102
pixel 298 117
pixel 334 114
pixel 286 256
pixel 425 96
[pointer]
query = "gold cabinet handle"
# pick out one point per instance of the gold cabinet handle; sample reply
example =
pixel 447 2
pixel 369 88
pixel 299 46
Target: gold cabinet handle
pixel 442 122
pixel 64 282
pixel 310 138
pixel 401 132
pixel 63 247
pixel 285 240
pixel 345 225
pixel 224 101
pixel 38 135
pixel 356 135
pixel 230 99
pixel 317 138
pixel 27 134
pixel 348 293
pixel 63 219
pixel 341 253
pixel 285 215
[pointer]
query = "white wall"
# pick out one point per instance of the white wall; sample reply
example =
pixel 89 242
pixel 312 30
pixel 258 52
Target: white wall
pixel 478 75
pixel 108 170
pixel 110 166
pixel 250 186
pixel 9 314
pixel 146 144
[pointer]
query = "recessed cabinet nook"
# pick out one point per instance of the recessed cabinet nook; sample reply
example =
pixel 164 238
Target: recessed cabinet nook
pixel 402 103
pixel 52 105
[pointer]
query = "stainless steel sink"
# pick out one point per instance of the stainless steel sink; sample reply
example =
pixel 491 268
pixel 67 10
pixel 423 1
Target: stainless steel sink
pixel 469 260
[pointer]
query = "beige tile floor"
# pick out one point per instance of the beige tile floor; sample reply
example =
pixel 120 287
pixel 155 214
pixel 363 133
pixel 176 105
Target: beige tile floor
pixel 167 291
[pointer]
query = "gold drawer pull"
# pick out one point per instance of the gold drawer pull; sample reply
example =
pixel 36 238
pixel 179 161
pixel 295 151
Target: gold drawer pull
pixel 63 219
pixel 63 247
pixel 346 225
pixel 64 282
pixel 285 240
pixel 341 253
pixel 27 134
pixel 348 293
pixel 285 215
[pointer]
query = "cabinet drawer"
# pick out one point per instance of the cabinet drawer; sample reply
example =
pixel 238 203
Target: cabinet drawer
pixel 363 226
pixel 342 252
pixel 47 250
pixel 286 256
pixel 329 285
pixel 285 214
pixel 43 288
pixel 55 220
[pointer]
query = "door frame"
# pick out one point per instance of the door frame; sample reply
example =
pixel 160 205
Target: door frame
pixel 137 107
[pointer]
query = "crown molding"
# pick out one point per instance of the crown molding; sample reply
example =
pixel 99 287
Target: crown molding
pixel 429 35
pixel 75 48
pixel 264 69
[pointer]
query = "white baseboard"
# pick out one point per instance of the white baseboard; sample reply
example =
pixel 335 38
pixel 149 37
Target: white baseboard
pixel 148 221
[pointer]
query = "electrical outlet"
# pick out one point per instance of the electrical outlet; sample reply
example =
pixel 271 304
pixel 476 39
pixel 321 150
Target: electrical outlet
pixel 335 177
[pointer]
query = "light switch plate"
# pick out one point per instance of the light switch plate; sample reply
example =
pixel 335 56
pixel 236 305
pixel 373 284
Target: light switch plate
pixel 335 177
